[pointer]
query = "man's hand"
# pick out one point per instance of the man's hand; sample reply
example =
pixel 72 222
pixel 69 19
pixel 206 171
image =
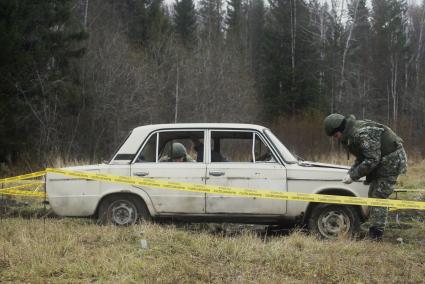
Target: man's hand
pixel 347 179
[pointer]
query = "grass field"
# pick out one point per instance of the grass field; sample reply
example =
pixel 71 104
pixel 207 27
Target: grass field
pixel 78 250
pixel 39 248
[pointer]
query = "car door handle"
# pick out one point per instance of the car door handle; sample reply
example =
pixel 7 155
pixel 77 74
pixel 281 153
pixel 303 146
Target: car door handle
pixel 216 173
pixel 141 174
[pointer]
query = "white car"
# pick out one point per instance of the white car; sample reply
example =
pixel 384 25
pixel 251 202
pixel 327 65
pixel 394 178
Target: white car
pixel 237 155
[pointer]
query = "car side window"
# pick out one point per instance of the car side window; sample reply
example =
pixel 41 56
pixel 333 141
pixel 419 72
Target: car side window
pixel 231 146
pixel 239 146
pixel 148 154
pixel 262 151
pixel 173 146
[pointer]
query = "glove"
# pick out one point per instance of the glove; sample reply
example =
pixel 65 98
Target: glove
pixel 347 179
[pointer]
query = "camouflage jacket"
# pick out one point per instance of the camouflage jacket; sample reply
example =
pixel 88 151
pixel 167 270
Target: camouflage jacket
pixel 370 142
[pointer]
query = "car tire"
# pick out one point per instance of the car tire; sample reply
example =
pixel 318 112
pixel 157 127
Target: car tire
pixel 333 221
pixel 122 210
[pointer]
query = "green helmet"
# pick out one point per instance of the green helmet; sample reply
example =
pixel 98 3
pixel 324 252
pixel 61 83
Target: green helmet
pixel 332 122
pixel 178 151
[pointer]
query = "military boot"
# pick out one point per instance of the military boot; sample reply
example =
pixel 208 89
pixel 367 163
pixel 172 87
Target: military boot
pixel 375 234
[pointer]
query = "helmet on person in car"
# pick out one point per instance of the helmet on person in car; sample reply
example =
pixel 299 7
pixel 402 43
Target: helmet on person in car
pixel 178 151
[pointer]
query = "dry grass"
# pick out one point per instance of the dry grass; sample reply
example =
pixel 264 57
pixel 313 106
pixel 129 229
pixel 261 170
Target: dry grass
pixel 77 250
pixel 37 250
pixel 415 176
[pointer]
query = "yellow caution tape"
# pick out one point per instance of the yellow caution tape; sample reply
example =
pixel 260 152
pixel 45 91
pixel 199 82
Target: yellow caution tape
pixel 334 199
pixel 22 177
pixel 17 190
pixel 212 189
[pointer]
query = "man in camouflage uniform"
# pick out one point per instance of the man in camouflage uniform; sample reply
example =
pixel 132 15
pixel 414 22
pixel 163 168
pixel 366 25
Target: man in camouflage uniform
pixel 380 157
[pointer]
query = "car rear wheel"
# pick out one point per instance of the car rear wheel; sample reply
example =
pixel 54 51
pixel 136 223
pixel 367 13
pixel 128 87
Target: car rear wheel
pixel 122 210
pixel 332 221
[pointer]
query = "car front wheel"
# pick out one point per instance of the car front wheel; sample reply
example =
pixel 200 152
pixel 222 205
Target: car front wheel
pixel 122 210
pixel 332 221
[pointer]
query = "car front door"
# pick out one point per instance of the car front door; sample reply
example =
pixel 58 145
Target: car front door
pixel 243 159
pixel 157 160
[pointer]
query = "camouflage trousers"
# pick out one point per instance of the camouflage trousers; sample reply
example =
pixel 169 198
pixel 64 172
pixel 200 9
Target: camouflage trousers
pixel 382 186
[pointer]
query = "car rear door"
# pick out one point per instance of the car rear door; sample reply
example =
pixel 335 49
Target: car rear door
pixel 242 158
pixel 152 162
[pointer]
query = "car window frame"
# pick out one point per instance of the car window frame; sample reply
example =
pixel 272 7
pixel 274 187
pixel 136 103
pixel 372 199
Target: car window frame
pixel 276 161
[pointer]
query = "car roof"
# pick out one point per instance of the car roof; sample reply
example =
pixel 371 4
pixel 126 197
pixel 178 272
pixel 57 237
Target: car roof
pixel 152 127
pixel 132 143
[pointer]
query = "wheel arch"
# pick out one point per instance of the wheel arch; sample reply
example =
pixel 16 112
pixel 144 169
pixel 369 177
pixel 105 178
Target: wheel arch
pixel 333 191
pixel 139 197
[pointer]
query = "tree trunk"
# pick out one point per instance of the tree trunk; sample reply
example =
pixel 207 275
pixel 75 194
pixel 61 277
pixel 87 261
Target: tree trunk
pixel 293 37
pixel 347 47
pixel 176 107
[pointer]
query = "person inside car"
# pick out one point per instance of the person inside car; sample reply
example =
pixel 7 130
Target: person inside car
pixel 177 153
pixel 199 148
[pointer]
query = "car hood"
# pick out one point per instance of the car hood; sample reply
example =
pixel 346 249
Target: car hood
pixel 322 165
pixel 305 170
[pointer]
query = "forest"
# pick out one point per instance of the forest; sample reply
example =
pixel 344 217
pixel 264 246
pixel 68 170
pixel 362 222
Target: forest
pixel 77 75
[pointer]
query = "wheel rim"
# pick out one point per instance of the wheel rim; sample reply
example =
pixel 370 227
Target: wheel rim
pixel 332 224
pixel 123 213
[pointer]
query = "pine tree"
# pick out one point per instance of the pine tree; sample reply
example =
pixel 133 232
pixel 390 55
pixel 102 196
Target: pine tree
pixel 39 41
pixel 290 72
pixel 389 47
pixel 137 21
pixel 234 19
pixel 147 20
pixel 256 20
pixel 185 21
pixel 157 21
pixel 360 58
pixel 211 21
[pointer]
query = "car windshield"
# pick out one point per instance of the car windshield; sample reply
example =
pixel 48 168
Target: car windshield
pixel 287 156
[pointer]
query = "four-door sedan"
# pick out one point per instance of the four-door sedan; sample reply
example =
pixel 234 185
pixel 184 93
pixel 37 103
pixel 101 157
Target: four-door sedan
pixel 237 155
